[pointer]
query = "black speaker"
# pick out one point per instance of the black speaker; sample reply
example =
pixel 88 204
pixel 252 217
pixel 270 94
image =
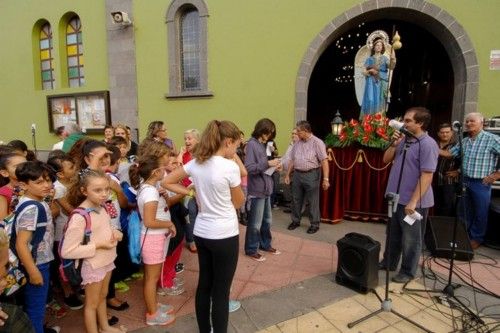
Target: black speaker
pixel 358 262
pixel 439 236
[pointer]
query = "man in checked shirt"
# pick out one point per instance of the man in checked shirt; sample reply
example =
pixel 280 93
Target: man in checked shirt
pixel 307 156
pixel 481 151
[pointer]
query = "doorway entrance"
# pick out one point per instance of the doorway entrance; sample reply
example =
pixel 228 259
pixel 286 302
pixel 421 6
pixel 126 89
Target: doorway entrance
pixel 444 79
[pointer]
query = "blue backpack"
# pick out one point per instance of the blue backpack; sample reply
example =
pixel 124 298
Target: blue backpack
pixel 68 269
pixel 16 275
pixel 134 237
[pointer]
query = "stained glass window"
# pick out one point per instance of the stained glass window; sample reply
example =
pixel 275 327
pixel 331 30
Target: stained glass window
pixel 74 51
pixel 190 50
pixel 46 60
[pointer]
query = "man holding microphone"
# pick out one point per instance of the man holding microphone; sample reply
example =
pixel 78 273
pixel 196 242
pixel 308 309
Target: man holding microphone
pixel 415 192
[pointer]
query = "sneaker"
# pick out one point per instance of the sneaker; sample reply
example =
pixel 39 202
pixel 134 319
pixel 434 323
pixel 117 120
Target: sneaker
pixel 272 250
pixel 159 318
pixel 178 281
pixel 234 305
pixel 53 329
pixel 401 278
pixel 138 275
pixel 166 308
pixel 256 257
pixel 293 226
pixel 122 287
pixel 179 267
pixel 172 291
pixel 55 309
pixel 73 302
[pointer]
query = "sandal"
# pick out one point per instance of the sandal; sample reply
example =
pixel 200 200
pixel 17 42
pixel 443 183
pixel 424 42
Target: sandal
pixel 123 306
pixel 192 248
pixel 112 320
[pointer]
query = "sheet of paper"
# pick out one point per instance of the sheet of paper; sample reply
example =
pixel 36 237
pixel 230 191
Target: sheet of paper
pixel 270 171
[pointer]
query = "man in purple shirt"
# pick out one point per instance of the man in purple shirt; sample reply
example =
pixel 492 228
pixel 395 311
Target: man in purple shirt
pixel 307 156
pixel 415 192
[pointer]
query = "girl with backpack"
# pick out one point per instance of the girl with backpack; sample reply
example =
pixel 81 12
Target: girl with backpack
pixel 157 228
pixel 90 192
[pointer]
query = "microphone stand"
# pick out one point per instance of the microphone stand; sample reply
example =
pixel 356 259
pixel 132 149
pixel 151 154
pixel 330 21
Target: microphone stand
pixel 449 289
pixel 386 303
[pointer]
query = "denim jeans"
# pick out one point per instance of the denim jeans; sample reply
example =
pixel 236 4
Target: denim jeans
pixel 477 204
pixel 405 242
pixel 258 225
pixel 35 298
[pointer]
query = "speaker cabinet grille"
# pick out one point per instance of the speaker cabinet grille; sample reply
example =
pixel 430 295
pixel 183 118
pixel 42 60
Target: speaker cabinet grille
pixel 358 262
pixel 439 238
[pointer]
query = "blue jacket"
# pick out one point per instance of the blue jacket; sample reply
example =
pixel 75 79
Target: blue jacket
pixel 259 184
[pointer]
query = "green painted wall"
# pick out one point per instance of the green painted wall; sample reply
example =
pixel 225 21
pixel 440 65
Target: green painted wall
pixel 254 52
pixel 21 101
pixel 480 18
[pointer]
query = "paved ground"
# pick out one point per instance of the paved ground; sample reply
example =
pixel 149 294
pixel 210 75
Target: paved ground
pixel 296 291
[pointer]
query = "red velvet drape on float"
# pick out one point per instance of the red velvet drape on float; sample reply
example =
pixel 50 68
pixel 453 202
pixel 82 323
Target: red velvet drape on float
pixel 358 178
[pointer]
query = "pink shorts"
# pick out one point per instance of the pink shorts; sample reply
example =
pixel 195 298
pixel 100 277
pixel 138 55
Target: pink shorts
pixel 154 249
pixel 91 275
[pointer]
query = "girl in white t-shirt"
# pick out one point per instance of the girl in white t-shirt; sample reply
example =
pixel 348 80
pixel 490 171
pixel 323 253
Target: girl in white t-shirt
pixel 216 175
pixel 156 231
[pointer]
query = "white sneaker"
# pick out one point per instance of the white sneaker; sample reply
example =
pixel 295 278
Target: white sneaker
pixel 173 291
pixel 234 305
pixel 159 318
pixel 178 281
pixel 166 308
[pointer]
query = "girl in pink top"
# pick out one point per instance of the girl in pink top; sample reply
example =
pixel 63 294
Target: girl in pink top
pixel 91 192
pixel 8 164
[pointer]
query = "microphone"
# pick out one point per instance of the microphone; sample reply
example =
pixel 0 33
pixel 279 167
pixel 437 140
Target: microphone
pixel 398 126
pixel 457 126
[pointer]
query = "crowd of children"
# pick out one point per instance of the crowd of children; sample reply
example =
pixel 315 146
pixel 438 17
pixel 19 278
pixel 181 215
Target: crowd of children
pixel 75 208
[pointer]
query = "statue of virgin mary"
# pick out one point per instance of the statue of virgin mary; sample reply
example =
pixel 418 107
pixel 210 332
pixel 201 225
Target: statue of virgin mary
pixel 372 65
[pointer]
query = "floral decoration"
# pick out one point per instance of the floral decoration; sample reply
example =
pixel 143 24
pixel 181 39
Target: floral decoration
pixel 372 130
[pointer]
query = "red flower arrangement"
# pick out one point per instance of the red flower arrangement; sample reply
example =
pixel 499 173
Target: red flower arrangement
pixel 371 131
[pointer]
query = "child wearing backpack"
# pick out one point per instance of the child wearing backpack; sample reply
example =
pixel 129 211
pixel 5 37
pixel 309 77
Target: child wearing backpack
pixel 90 192
pixel 156 231
pixel 8 163
pixel 33 236
pixel 64 169
pixel 12 317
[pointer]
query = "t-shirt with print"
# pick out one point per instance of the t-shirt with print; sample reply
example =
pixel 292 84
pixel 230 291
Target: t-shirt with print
pixel 213 180
pixel 27 220
pixel 60 192
pixel 148 193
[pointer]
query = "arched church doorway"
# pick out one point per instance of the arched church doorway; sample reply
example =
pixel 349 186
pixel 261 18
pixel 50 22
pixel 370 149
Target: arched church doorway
pixel 423 76
pixel 454 72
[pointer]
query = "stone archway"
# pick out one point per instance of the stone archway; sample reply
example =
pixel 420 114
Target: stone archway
pixel 442 25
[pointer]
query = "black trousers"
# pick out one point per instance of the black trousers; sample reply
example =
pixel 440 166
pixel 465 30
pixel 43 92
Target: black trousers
pixel 217 259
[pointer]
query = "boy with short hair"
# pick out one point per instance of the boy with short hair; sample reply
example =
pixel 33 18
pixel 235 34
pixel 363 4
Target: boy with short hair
pixel 35 237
